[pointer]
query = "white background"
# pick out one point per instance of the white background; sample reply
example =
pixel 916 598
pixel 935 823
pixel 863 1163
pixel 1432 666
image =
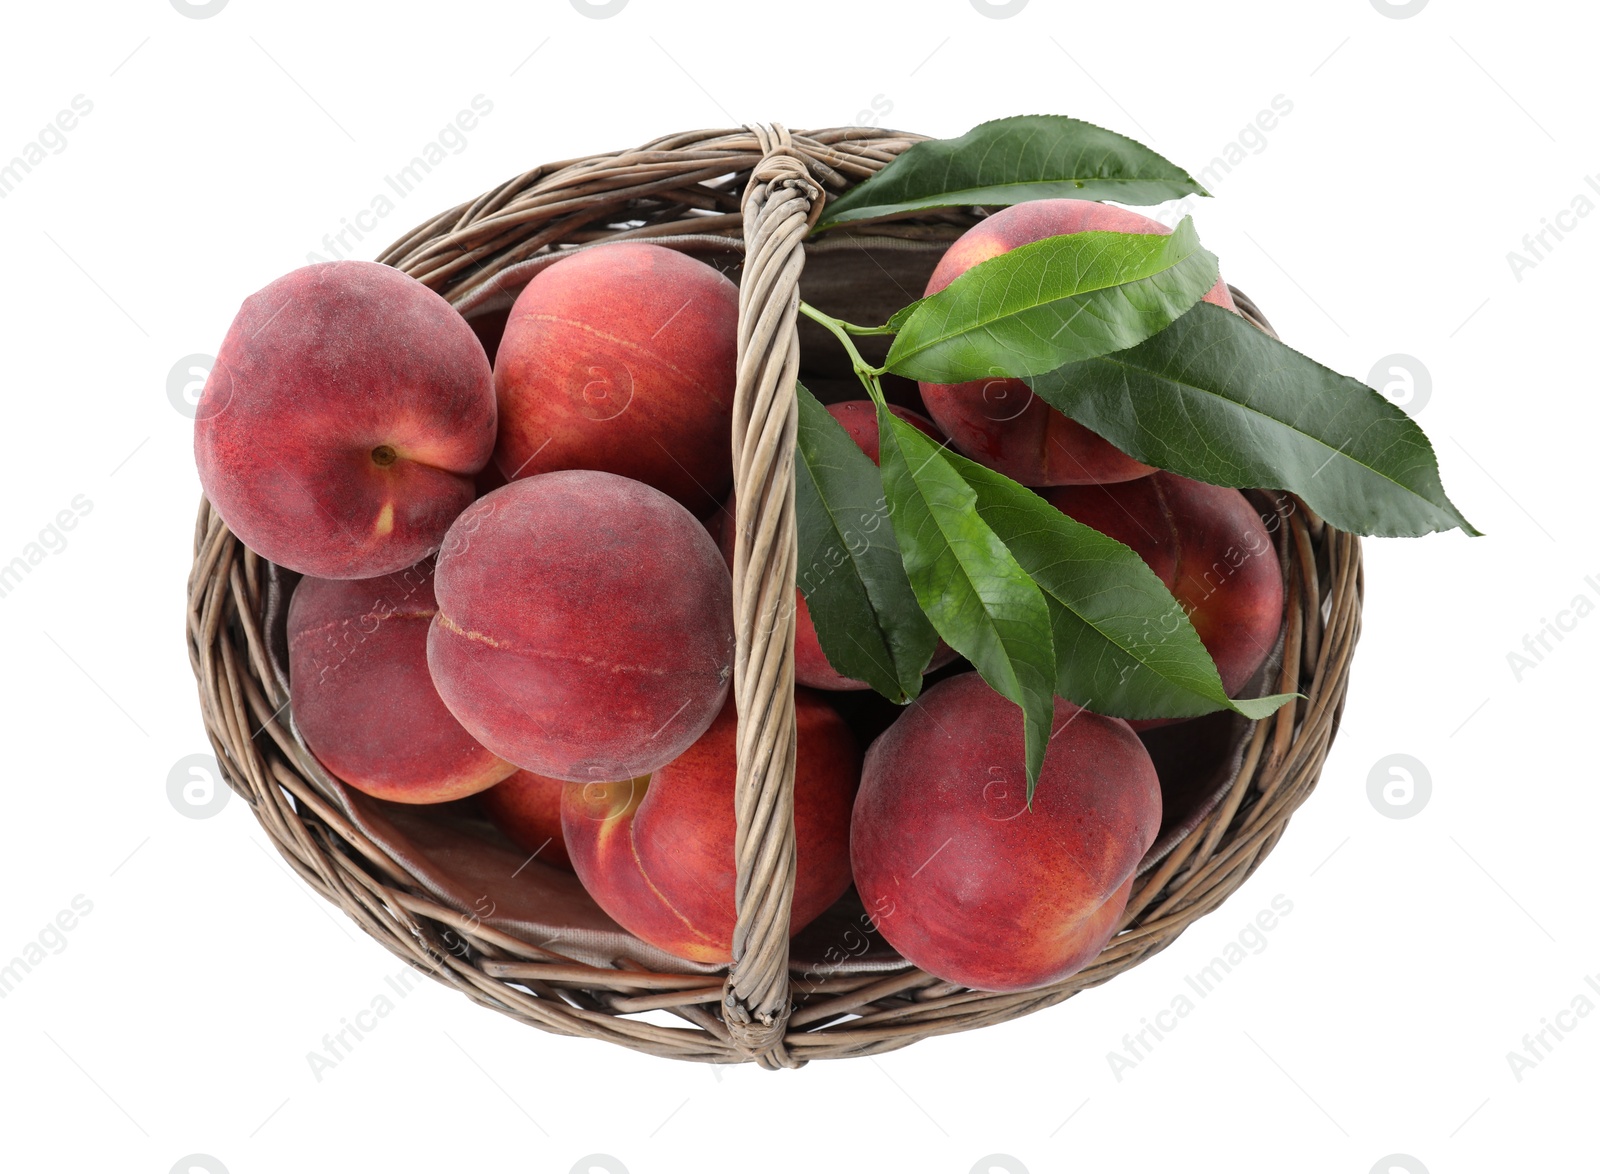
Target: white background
pixel 1375 219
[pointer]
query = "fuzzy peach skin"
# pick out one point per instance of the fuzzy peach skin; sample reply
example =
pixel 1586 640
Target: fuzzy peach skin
pixel 344 419
pixel 973 886
pixel 657 854
pixel 621 358
pixel 585 626
pixel 362 696
pixel 1211 549
pixel 859 418
pixel 1000 422
pixel 527 808
pixel 811 666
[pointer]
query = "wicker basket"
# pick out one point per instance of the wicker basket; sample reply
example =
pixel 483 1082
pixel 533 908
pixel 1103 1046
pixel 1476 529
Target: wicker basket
pixel 744 200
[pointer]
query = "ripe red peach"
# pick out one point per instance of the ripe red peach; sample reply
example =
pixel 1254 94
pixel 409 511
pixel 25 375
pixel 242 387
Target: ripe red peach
pixel 657 852
pixel 344 419
pixel 859 418
pixel 811 665
pixel 585 626
pixel 527 808
pixel 1211 549
pixel 972 885
pixel 1000 422
pixel 362 697
pixel 621 358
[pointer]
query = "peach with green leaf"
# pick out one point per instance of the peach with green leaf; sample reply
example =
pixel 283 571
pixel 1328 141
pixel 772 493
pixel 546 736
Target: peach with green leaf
pixel 978 886
pixel 999 420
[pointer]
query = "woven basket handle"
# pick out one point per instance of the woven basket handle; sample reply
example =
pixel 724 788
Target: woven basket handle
pixel 780 204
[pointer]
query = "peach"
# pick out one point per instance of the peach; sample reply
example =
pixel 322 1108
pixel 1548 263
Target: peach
pixel 344 419
pixel 972 885
pixel 621 358
pixel 585 626
pixel 811 665
pixel 1210 548
pixel 859 417
pixel 656 852
pixel 1000 422
pixel 527 808
pixel 362 696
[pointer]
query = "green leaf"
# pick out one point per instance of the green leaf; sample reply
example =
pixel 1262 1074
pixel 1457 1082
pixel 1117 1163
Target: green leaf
pixel 1011 160
pixel 1123 644
pixel 978 597
pixel 1215 399
pixel 900 317
pixel 867 618
pixel 1054 301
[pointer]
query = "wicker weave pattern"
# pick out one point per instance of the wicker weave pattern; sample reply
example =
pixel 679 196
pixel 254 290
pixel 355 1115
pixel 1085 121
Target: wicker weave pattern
pixel 765 183
pixel 780 205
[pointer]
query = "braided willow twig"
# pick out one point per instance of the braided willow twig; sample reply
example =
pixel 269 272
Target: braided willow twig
pixel 780 204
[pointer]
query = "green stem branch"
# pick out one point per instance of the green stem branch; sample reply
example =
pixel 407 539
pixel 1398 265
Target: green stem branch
pixel 865 371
